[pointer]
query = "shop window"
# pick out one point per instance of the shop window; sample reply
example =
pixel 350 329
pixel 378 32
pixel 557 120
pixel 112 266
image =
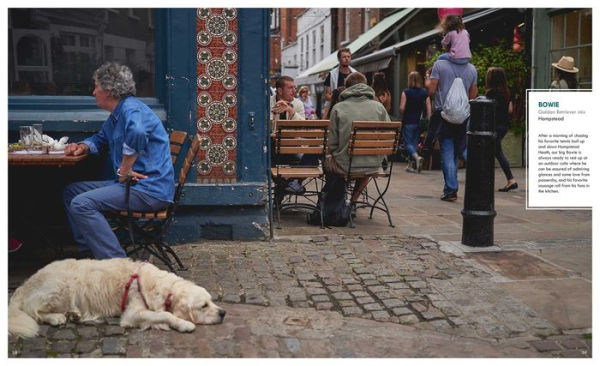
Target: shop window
pixel 31 51
pixel 571 35
pixel 55 51
pixel 84 41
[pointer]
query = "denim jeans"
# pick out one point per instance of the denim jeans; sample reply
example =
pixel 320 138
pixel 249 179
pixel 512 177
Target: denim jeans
pixel 452 144
pixel 410 137
pixel 85 202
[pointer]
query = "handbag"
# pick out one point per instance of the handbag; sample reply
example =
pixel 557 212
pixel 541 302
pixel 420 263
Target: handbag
pixel 332 166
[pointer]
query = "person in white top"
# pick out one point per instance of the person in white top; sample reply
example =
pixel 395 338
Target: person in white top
pixel 283 104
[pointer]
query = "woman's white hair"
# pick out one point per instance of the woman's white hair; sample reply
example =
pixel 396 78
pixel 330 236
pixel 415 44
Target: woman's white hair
pixel 116 79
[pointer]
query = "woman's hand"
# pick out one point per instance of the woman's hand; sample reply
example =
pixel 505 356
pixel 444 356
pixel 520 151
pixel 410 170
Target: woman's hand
pixel 76 149
pixel 135 176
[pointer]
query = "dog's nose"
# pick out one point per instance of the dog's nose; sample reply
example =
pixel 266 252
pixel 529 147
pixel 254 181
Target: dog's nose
pixel 222 313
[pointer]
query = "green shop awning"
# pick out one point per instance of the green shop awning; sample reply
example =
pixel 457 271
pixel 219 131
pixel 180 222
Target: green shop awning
pixel 331 61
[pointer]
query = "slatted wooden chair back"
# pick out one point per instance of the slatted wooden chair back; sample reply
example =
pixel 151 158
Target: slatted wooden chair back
pixel 176 140
pixel 374 138
pixel 151 227
pixel 301 137
pixel 189 160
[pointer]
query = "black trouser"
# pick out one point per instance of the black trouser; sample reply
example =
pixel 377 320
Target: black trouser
pixel 504 164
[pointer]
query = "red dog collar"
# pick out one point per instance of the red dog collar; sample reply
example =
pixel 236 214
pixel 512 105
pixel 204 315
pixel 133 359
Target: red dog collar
pixel 168 302
pixel 133 277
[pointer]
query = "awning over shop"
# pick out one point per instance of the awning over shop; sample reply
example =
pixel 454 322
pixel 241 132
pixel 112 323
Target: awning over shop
pixel 374 66
pixel 393 49
pixel 331 61
pixel 309 80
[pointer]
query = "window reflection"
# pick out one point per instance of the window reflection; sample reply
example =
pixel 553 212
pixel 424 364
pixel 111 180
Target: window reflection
pixel 55 51
pixel 571 36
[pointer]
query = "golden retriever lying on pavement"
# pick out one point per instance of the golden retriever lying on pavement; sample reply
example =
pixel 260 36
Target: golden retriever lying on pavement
pixel 89 290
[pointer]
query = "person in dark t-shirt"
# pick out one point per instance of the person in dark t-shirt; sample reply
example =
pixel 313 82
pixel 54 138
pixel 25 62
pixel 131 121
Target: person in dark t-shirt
pixel 336 77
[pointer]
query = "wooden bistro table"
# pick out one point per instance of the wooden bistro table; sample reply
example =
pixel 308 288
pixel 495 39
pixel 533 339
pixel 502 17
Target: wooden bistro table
pixel 50 234
pixel 58 160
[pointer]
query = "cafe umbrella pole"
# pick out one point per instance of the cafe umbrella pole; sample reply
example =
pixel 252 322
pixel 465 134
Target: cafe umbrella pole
pixel 478 212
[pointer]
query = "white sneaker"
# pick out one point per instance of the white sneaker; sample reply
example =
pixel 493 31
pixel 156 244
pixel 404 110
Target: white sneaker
pixel 419 164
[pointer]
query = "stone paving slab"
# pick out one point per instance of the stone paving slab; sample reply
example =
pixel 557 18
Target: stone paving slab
pixel 254 331
pixel 564 302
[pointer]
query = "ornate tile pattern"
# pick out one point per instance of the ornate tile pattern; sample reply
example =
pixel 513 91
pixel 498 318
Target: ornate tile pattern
pixel 216 85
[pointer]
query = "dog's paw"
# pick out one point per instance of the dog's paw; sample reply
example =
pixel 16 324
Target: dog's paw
pixel 185 326
pixel 73 316
pixel 55 319
pixel 160 326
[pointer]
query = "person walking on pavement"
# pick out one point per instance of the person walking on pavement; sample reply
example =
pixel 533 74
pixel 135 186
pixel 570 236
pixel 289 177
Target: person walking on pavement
pixel 382 93
pixel 433 125
pixel 336 77
pixel 452 137
pixel 496 88
pixel 414 102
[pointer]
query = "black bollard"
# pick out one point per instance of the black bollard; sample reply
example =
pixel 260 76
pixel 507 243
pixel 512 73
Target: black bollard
pixel 478 212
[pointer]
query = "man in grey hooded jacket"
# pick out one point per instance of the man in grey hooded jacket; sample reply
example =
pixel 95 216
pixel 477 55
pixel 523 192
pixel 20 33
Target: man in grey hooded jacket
pixel 357 103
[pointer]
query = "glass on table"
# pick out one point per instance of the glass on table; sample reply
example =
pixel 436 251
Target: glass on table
pixel 25 135
pixel 37 134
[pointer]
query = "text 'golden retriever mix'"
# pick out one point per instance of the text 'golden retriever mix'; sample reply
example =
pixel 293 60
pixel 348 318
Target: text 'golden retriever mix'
pixel 90 290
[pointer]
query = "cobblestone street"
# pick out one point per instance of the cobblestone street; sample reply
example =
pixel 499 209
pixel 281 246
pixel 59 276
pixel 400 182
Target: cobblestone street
pixel 341 292
pixel 300 297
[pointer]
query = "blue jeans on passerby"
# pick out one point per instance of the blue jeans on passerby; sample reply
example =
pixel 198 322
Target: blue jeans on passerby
pixel 452 145
pixel 410 137
pixel 85 202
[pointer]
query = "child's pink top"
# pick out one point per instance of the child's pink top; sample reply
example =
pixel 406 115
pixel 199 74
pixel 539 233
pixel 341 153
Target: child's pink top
pixel 459 43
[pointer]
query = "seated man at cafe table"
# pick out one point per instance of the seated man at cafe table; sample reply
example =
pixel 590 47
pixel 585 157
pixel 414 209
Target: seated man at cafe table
pixel 357 103
pixel 284 106
pixel 138 147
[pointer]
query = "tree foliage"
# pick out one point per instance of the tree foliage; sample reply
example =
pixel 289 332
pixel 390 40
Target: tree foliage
pixel 517 74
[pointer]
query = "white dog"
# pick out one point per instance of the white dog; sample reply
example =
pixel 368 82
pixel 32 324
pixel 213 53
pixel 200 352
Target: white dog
pixel 90 290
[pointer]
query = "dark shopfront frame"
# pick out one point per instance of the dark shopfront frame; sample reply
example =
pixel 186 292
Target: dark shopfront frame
pixel 216 211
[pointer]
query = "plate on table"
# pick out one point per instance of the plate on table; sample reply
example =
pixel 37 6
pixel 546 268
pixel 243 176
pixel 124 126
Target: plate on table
pixel 27 152
pixel 56 152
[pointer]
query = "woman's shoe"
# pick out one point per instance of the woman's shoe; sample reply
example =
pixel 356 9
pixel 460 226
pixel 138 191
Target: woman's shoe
pixel 509 188
pixel 419 164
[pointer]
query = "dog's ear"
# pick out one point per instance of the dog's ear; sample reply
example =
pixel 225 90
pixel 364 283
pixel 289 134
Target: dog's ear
pixel 191 315
pixel 185 305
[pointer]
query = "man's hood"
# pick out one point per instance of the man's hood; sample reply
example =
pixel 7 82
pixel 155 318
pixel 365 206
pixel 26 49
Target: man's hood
pixel 358 90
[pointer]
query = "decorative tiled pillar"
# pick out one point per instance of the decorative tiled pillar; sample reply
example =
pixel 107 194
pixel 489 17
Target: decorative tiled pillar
pixel 217 77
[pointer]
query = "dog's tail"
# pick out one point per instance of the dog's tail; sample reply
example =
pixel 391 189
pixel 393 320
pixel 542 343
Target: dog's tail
pixel 20 324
